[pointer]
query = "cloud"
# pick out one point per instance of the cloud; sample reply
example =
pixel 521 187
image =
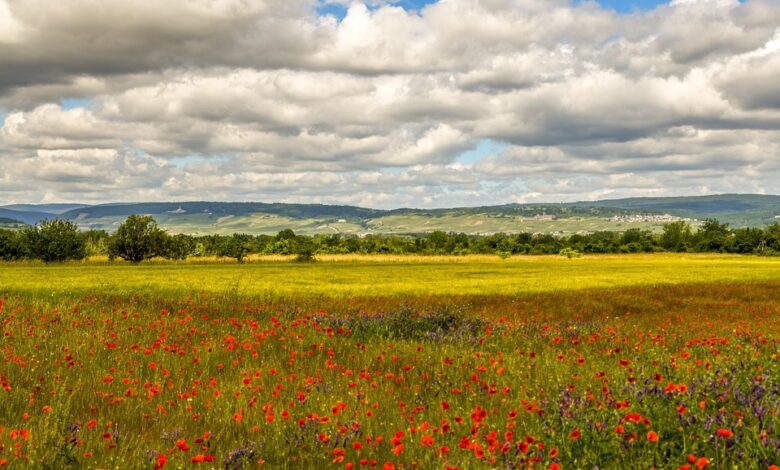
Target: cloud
pixel 750 80
pixel 267 100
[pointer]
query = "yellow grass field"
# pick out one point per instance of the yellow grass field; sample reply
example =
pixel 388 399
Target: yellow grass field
pixel 336 276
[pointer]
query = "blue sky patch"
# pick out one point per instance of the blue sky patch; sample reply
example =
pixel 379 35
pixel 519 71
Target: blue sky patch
pixel 628 6
pixel 340 11
pixel 622 6
pixel 182 162
pixel 73 103
pixel 415 4
pixel 3 115
pixel 486 147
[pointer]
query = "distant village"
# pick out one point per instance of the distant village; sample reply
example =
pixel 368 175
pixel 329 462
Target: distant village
pixel 639 218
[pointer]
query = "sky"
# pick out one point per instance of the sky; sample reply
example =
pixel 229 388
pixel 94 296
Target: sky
pixel 414 103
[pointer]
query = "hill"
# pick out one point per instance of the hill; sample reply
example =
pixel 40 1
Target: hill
pixel 25 216
pixel 44 208
pixel 203 217
pixel 738 210
pixel 6 223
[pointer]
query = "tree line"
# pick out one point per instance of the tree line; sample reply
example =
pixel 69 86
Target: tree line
pixel 139 238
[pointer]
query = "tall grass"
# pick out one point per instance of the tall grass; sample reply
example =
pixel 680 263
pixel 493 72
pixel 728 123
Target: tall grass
pixel 572 378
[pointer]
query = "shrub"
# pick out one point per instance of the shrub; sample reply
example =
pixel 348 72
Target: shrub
pixel 570 253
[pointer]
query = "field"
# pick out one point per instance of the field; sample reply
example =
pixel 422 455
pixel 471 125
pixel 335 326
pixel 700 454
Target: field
pixel 612 361
pixel 348 275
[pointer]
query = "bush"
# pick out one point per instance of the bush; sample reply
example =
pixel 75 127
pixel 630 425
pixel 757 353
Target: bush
pixel 305 256
pixel 570 253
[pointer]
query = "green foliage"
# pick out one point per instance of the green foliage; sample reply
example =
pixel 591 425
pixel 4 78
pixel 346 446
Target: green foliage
pixel 12 245
pixel 305 250
pixel 54 240
pixel 569 253
pixel 677 236
pixel 306 256
pixel 96 242
pixel 179 246
pixel 237 246
pixel 137 239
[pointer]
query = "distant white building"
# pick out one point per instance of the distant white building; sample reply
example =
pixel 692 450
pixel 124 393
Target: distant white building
pixel 638 218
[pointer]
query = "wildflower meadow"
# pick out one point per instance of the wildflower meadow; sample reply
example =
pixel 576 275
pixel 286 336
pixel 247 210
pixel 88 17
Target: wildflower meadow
pixel 654 375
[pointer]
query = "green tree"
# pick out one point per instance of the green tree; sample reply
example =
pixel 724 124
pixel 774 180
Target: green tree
pixel 96 242
pixel 286 234
pixel 137 239
pixel 677 236
pixel 772 237
pixel 237 246
pixel 304 250
pixel 437 241
pixel 179 246
pixel 55 240
pixel 11 245
pixel 712 235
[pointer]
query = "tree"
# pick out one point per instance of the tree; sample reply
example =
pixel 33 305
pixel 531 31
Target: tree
pixel 11 245
pixel 772 237
pixel 237 246
pixel 437 241
pixel 286 234
pixel 179 246
pixel 55 240
pixel 96 242
pixel 304 250
pixel 137 239
pixel 676 236
pixel 712 235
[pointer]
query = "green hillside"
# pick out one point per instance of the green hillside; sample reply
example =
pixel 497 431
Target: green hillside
pixel 202 217
pixel 738 210
pixel 6 223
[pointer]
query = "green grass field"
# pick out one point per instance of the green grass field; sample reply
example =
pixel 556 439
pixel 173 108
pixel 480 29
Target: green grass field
pixel 647 361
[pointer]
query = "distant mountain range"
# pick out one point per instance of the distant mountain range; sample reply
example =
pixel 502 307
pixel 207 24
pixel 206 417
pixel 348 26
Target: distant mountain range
pixel 738 210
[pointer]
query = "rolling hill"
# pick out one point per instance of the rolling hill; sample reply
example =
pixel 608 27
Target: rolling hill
pixel 10 223
pixel 201 217
pixel 25 216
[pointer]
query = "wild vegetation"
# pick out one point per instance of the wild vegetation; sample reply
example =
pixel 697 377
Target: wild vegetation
pixel 631 360
pixel 139 238
pixel 673 376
